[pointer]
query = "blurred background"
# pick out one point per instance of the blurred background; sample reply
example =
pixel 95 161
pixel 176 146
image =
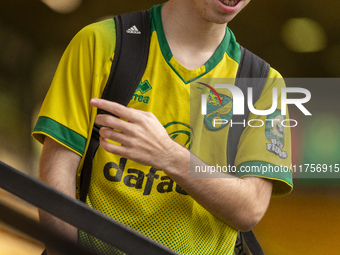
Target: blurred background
pixel 299 38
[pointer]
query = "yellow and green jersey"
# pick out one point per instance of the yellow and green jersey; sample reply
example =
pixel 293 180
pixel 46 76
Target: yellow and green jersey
pixel 139 196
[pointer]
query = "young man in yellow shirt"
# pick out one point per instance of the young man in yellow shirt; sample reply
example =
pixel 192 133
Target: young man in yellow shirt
pixel 141 174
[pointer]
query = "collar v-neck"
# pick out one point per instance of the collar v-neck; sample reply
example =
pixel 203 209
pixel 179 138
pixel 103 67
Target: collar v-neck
pixel 185 74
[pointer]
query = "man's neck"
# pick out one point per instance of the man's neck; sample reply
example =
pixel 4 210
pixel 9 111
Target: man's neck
pixel 192 39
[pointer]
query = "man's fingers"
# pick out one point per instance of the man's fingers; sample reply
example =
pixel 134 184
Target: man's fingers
pixel 109 121
pixel 108 133
pixel 115 108
pixel 113 148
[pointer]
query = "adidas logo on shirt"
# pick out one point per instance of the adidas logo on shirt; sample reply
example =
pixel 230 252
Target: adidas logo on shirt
pixel 133 30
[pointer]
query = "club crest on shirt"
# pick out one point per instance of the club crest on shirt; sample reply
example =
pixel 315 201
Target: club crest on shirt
pixel 275 134
pixel 216 111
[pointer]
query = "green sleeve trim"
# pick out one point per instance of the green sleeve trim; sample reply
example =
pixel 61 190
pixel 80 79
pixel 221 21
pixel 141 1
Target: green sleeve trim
pixel 281 175
pixel 66 136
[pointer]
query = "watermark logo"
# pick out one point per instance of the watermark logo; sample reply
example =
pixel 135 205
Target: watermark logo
pixel 238 100
pixel 219 107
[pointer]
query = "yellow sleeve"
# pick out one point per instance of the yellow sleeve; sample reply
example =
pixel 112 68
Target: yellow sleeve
pixel 83 70
pixel 264 149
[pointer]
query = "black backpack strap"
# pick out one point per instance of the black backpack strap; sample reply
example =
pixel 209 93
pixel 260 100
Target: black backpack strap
pixel 252 243
pixel 131 54
pixel 251 66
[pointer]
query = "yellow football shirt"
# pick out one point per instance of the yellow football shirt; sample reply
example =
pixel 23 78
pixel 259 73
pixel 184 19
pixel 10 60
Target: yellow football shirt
pixel 139 196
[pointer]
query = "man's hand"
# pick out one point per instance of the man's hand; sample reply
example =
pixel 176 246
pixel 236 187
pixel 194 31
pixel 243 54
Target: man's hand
pixel 241 203
pixel 142 137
